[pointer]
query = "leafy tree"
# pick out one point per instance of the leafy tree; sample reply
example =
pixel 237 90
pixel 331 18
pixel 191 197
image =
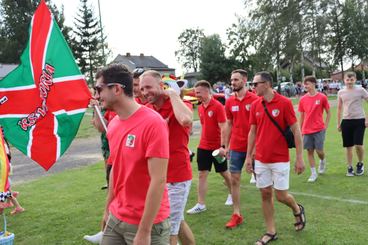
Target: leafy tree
pixel 15 17
pixel 214 66
pixel 87 40
pixel 190 41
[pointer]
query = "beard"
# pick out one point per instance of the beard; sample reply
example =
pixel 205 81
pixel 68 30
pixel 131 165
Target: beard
pixel 237 89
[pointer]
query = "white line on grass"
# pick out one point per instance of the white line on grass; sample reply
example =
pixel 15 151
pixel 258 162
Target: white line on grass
pixel 324 197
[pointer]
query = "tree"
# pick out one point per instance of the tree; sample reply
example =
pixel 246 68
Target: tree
pixel 14 23
pixel 87 41
pixel 190 41
pixel 214 66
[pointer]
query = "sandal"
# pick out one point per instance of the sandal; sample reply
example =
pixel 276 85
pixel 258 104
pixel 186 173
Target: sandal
pixel 272 237
pixel 302 219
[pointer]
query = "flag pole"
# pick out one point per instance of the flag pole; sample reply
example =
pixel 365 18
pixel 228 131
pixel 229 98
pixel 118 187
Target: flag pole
pixel 102 37
pixel 99 114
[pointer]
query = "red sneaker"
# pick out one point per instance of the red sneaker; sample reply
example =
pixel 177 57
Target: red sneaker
pixel 235 220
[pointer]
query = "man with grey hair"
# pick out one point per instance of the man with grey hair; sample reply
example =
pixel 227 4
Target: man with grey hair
pixel 178 115
pixel 272 162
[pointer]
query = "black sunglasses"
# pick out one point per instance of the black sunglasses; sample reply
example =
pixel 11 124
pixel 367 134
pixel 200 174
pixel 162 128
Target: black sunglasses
pixel 255 84
pixel 138 72
pixel 99 88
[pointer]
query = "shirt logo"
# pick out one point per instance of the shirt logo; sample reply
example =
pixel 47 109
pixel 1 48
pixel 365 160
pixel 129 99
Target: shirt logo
pixel 130 140
pixel 210 113
pixel 247 107
pixel 275 112
pixel 318 102
pixel 235 108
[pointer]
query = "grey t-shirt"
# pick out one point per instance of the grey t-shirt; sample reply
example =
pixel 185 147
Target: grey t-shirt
pixel 352 102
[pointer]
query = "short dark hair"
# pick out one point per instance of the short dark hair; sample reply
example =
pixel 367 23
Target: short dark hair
pixel 311 79
pixel 242 72
pixel 203 83
pixel 265 76
pixel 117 73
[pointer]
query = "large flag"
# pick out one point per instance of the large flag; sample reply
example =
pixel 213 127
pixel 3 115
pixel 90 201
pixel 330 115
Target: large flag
pixel 44 99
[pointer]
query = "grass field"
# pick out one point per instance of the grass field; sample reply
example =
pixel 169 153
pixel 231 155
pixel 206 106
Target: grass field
pixel 63 207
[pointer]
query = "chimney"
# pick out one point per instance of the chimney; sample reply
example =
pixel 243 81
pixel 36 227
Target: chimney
pixel 141 54
pixel 127 54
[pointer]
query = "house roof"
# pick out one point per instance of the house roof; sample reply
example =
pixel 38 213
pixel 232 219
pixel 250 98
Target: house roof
pixel 141 61
pixel 5 69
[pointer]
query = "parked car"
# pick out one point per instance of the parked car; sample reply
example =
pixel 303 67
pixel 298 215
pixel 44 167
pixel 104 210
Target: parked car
pixel 189 93
pixel 287 89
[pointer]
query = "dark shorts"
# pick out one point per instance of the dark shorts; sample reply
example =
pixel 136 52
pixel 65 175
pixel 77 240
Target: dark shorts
pixel 205 160
pixel 314 140
pixel 237 161
pixel 352 131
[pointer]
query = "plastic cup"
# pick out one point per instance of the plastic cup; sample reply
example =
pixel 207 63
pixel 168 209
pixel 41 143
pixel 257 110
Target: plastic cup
pixel 219 158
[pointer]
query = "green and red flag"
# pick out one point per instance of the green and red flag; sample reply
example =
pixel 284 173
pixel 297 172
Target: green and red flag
pixel 42 102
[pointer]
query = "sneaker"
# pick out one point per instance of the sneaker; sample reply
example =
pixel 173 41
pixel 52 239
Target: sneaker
pixel 313 178
pixel 198 208
pixel 229 200
pixel 96 238
pixel 322 167
pixel 350 172
pixel 359 168
pixel 252 179
pixel 234 221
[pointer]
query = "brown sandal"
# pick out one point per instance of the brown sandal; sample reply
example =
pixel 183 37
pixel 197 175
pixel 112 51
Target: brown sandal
pixel 272 237
pixel 302 219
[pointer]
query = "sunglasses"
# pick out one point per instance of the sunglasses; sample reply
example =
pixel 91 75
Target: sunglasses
pixel 255 84
pixel 98 89
pixel 138 71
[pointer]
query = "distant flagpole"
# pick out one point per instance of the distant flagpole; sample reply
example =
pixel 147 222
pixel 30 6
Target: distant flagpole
pixel 102 38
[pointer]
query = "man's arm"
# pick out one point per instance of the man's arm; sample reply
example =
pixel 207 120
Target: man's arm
pixel 222 127
pixel 182 113
pixel 250 148
pixel 109 198
pixel 328 117
pixel 301 119
pixel 299 165
pixel 157 169
pixel 339 109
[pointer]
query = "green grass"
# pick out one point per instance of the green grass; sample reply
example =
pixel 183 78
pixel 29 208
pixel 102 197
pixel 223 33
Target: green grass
pixel 63 207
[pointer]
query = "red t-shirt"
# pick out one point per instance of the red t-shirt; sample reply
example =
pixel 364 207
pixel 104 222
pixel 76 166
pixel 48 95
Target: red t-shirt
pixel 238 111
pixel 179 169
pixel 271 146
pixel 139 101
pixel 109 115
pixel 132 141
pixel 313 107
pixel 210 117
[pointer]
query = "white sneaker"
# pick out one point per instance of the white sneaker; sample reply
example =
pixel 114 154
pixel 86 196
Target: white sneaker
pixel 322 167
pixel 198 208
pixel 252 179
pixel 313 178
pixel 229 200
pixel 96 238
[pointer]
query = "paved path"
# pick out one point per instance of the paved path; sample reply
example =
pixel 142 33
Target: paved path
pixel 81 152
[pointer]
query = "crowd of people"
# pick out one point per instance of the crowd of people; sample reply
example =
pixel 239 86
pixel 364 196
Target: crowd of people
pixel 149 173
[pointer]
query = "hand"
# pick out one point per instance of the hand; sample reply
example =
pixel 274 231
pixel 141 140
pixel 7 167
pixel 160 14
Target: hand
pixel 339 127
pixel 249 165
pixel 222 151
pixel 299 166
pixel 170 92
pixel 366 123
pixel 94 102
pixel 142 239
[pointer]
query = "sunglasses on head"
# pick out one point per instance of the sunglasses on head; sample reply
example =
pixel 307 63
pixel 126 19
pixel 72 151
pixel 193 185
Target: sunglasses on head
pixel 99 88
pixel 138 71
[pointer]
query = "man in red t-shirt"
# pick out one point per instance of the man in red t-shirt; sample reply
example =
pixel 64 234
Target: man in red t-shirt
pixel 272 163
pixel 137 206
pixel 213 120
pixel 237 109
pixel 178 115
pixel 311 107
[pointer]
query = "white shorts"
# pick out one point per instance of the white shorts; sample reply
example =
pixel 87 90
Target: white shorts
pixel 178 196
pixel 272 174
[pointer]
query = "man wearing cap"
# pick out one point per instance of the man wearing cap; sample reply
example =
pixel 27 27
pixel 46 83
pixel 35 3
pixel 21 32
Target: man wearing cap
pixel 272 163
pixel 178 115
pixel 213 120
pixel 137 207
pixel 237 109
pixel 311 107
